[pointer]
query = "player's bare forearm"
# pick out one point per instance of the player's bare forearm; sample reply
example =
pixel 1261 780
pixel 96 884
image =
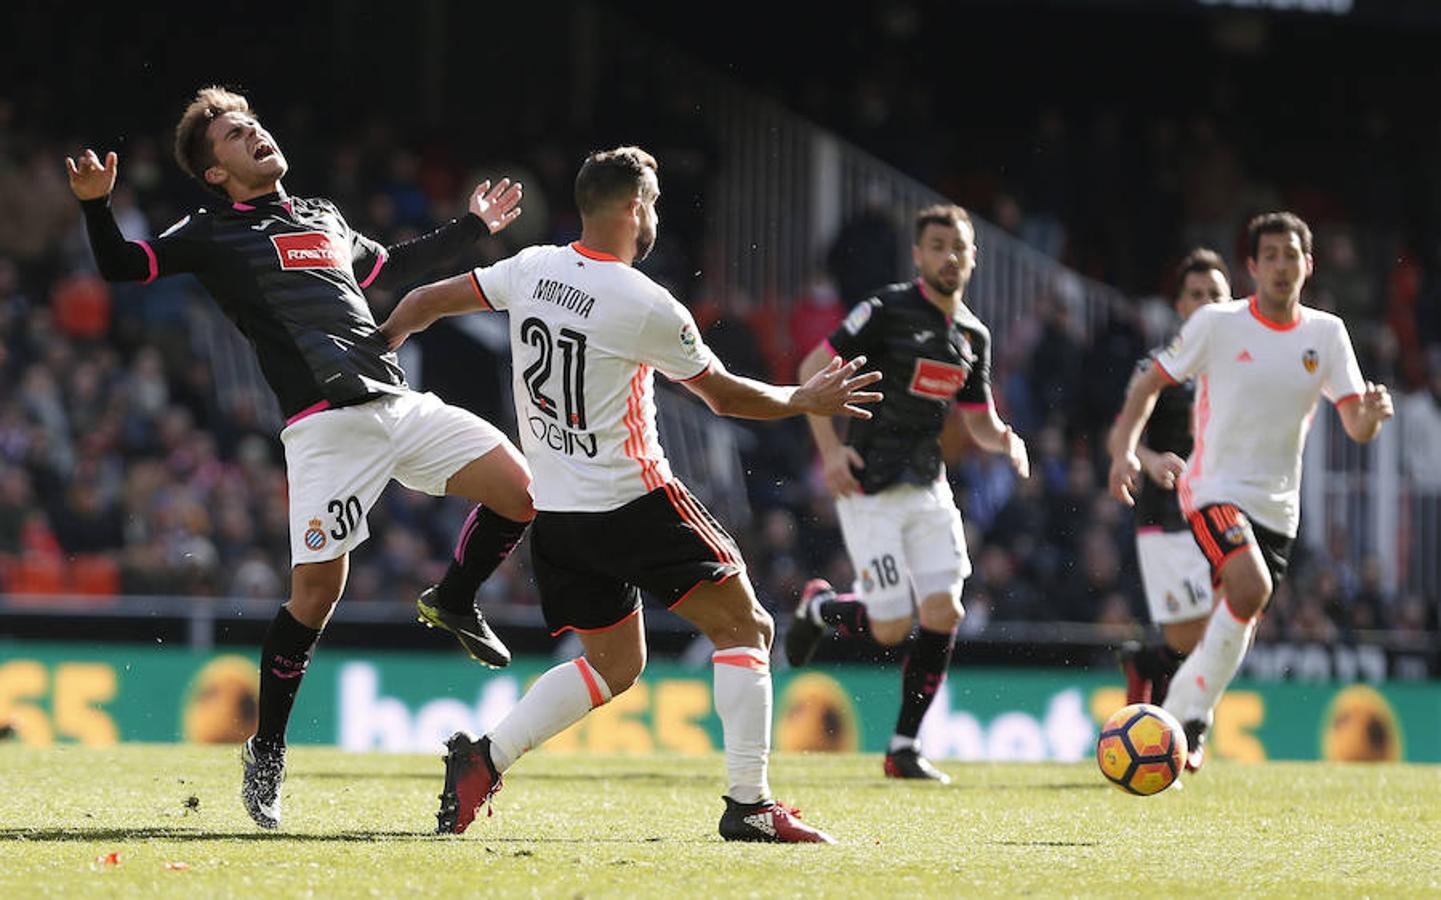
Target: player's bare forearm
pixel 738 397
pixel 985 428
pixel 1140 402
pixel 1363 415
pixel 991 434
pixel 835 390
pixel 421 307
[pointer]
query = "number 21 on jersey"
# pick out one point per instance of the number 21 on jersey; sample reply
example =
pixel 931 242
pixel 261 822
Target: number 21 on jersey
pixel 571 344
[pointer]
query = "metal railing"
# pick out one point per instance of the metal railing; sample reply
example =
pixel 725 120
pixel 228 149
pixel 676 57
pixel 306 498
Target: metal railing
pixel 1364 501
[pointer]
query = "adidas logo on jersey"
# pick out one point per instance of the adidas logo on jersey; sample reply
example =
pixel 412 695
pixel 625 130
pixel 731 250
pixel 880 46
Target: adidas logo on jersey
pixel 762 822
pixel 1244 356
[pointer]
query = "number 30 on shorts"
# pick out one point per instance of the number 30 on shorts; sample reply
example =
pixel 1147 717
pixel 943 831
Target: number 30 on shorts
pixel 347 515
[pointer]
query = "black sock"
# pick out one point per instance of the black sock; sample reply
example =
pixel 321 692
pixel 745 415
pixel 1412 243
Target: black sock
pixel 921 675
pixel 848 616
pixel 284 657
pixel 1168 660
pixel 485 541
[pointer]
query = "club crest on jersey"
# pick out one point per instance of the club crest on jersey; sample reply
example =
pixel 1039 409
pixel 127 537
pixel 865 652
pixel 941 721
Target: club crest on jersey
pixel 1235 535
pixel 315 535
pixel 1311 360
pixel 689 340
pixel 936 380
pixel 858 318
pixel 310 250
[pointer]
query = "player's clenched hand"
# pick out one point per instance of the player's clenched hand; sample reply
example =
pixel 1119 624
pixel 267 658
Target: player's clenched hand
pixel 90 180
pixel 1376 403
pixel 838 467
pixel 836 390
pixel 496 206
pixel 1125 474
pixel 1164 469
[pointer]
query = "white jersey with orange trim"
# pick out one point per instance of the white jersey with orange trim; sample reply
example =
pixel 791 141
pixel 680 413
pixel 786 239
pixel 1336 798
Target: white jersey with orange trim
pixel 1257 383
pixel 587 331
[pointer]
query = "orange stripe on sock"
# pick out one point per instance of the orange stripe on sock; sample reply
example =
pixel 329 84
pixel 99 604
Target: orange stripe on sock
pixel 743 661
pixel 596 697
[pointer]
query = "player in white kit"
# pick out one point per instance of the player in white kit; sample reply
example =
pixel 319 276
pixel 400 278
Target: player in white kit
pixel 588 331
pixel 1175 575
pixel 1260 366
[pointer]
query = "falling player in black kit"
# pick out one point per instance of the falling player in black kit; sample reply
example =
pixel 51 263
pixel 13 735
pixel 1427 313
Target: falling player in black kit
pixel 899 519
pixel 1174 572
pixel 289 272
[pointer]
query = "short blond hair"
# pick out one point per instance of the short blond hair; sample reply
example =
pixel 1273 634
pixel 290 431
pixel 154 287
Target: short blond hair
pixel 192 141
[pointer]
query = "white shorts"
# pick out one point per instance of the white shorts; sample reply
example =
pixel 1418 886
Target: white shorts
pixel 907 537
pixel 338 461
pixel 1175 574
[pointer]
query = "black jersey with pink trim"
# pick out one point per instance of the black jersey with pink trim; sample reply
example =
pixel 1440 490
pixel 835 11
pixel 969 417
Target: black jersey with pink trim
pixel 1167 431
pixel 290 272
pixel 928 362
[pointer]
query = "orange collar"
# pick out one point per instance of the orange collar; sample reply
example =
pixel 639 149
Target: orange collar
pixel 588 253
pixel 1272 323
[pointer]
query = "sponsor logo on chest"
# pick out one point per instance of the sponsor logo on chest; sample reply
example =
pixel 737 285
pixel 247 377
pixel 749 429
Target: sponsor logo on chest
pixel 310 250
pixel 937 380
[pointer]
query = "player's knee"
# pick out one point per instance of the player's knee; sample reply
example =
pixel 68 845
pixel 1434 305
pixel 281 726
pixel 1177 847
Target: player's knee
pixel 522 508
pixel 890 632
pixel 740 621
pixel 314 591
pixel 942 617
pixel 620 673
pixel 1247 596
pixel 765 627
pixel 516 503
pixel 313 608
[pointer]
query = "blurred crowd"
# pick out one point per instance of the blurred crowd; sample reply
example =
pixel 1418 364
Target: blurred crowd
pixel 124 469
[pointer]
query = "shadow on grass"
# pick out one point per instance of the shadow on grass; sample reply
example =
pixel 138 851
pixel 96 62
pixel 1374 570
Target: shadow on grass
pixel 102 835
pixel 438 775
pixel 80 835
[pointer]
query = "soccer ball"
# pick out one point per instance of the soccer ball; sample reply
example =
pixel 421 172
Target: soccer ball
pixel 1142 749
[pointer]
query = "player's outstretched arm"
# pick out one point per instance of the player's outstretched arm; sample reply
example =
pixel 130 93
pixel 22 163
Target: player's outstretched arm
pixel 838 461
pixel 990 433
pixel 422 306
pixel 1363 416
pixel 836 390
pixel 492 209
pixel 1126 433
pixel 91 182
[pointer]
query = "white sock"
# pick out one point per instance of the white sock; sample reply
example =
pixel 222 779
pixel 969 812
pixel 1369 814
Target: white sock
pixel 1207 672
pixel 557 700
pixel 743 702
pixel 900 742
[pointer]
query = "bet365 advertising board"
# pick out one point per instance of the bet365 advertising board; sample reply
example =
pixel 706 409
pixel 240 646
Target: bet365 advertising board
pixel 409 702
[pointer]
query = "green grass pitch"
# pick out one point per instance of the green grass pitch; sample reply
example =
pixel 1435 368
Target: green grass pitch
pixel 580 825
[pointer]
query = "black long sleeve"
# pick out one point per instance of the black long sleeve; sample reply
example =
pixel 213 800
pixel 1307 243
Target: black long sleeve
pixel 419 257
pixel 117 258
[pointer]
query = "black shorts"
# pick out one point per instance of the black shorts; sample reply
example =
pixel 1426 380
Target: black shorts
pixel 591 566
pixel 1222 530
